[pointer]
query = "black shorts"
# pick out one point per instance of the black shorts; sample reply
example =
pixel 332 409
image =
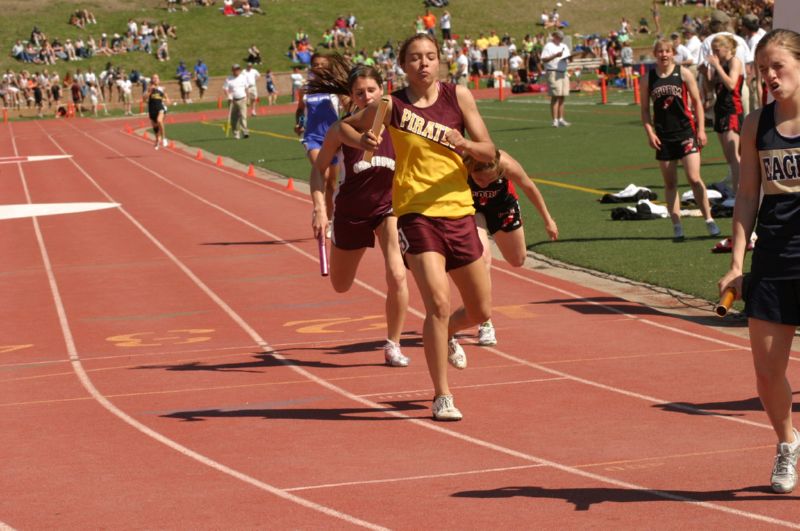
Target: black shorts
pixel 776 301
pixel 153 113
pixel 677 149
pixel 505 216
pixel 728 122
pixel 455 239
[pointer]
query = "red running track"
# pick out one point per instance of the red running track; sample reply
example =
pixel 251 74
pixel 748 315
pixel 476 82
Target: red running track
pixel 180 363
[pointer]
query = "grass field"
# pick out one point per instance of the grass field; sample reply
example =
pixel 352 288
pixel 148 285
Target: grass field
pixel 604 151
pixel 205 33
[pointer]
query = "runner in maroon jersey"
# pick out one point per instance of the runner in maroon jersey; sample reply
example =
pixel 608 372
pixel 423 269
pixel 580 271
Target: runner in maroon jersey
pixel 362 204
pixel 433 202
pixel 497 213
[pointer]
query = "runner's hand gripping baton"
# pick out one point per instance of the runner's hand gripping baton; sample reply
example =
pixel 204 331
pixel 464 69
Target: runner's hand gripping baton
pixel 725 302
pixel 377 125
pixel 323 254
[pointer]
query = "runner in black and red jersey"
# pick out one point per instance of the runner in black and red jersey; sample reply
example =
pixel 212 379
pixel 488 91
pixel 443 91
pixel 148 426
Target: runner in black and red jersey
pixel 497 213
pixel 727 74
pixel 673 132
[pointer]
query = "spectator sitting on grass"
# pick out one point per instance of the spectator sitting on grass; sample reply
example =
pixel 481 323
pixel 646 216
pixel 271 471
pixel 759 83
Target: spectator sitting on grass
pixel 162 54
pixel 103 48
pixel 116 44
pixel 18 52
pixel 255 7
pixel 327 39
pixel 69 49
pixel 228 9
pixel 37 36
pixel 254 55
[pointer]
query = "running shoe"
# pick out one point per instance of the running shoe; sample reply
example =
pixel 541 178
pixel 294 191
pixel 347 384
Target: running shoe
pixel 556 124
pixel 723 246
pixel 456 355
pixel 713 229
pixel 486 336
pixel 444 409
pixel 784 471
pixel 677 233
pixel 394 358
pixel 563 123
pixel 164 142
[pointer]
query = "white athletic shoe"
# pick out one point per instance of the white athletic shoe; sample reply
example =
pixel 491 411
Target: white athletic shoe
pixel 394 358
pixel 563 123
pixel 164 142
pixel 456 355
pixel 784 471
pixel 556 123
pixel 713 229
pixel 444 409
pixel 486 335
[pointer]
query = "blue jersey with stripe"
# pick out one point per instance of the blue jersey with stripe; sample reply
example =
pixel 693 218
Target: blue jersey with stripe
pixel 322 111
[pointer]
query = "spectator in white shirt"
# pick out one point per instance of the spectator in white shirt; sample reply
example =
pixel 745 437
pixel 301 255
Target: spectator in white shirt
pixel 683 57
pixel 693 44
pixel 753 34
pixel 462 68
pixel 252 75
pixel 235 87
pixel 555 55
pixel 445 22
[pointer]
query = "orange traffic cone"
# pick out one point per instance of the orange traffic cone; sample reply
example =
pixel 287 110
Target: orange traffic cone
pixel 251 171
pixel 219 161
pixel 199 155
pixel 290 184
pixel 144 134
pixel 172 144
pixel 128 129
pixel 219 102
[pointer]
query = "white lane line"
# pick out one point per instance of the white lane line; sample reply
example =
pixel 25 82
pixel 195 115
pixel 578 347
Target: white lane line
pixel 413 478
pixel 378 407
pixel 6 527
pixel 142 428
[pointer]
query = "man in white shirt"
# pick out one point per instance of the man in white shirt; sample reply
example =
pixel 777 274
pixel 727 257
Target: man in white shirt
pixel 555 55
pixel 683 57
pixel 693 44
pixel 252 76
pixel 236 88
pixel 462 68
pixel 297 81
pixel 753 33
pixel 445 23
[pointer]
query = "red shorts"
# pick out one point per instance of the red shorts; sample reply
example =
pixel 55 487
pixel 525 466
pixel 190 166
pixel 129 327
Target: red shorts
pixel 455 239
pixel 351 234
